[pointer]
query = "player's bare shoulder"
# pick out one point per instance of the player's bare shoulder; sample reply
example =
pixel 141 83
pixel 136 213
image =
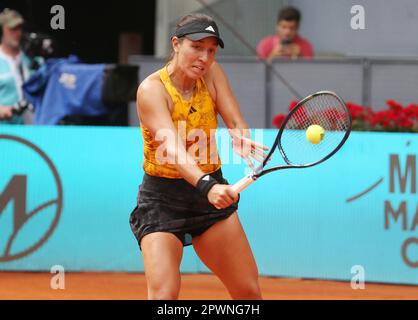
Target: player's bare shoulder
pixel 152 85
pixel 210 79
pixel 152 93
pixel 214 69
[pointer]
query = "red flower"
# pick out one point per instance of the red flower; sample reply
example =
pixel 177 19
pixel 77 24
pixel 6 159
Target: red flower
pixel 293 104
pixel 393 105
pixel 411 111
pixel 360 113
pixel 394 118
pixel 334 117
pixel 302 118
pixel 355 110
pixel 278 120
pixel 300 115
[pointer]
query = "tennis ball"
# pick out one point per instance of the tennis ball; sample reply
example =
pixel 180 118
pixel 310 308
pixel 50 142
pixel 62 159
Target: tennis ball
pixel 315 134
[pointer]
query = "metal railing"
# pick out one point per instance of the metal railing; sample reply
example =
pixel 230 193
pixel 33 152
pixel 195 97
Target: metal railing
pixel 369 81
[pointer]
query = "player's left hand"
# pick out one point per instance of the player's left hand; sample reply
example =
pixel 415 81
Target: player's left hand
pixel 248 149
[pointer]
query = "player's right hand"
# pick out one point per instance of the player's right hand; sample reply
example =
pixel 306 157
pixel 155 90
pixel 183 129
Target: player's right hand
pixel 5 113
pixel 221 196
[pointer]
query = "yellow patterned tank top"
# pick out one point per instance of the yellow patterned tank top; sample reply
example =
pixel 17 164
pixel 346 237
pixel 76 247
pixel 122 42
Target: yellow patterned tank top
pixel 196 123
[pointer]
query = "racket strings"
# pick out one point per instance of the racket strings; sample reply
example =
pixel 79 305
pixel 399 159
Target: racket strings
pixel 324 110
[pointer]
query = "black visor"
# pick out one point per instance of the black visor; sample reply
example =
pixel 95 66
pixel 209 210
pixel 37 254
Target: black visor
pixel 198 30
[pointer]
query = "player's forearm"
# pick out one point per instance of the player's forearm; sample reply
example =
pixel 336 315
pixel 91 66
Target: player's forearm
pixel 184 163
pixel 239 128
pixel 239 124
pixel 233 119
pixel 190 172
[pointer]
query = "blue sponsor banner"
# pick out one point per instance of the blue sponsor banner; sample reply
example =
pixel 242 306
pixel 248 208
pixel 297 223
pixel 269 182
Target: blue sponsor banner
pixel 66 194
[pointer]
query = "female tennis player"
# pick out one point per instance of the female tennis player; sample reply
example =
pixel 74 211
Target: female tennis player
pixel 183 198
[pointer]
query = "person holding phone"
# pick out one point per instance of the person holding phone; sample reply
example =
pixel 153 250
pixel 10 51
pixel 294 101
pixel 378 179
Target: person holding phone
pixel 286 43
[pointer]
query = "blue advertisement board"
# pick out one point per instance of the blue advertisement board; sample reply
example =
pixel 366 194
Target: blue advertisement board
pixel 66 194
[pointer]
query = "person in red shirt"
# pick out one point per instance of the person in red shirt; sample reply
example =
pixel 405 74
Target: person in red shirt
pixel 286 42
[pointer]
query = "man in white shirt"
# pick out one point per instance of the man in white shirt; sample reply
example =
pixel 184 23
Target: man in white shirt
pixel 14 67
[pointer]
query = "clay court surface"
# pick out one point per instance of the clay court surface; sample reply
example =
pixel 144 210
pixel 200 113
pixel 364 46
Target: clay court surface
pixel 93 286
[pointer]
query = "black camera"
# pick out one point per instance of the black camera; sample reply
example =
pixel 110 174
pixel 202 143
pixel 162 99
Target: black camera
pixel 38 45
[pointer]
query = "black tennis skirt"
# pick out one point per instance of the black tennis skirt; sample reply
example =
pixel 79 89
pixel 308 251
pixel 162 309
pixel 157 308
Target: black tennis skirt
pixel 175 206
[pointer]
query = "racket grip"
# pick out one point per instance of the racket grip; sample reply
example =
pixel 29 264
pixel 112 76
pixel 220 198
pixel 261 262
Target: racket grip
pixel 243 183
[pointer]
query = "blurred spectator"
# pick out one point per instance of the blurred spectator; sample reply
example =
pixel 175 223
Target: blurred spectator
pixel 14 68
pixel 286 42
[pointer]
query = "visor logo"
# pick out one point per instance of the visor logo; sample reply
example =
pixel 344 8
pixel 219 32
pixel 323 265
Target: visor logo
pixel 210 28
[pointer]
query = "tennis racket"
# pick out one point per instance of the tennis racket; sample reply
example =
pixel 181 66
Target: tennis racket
pixel 325 109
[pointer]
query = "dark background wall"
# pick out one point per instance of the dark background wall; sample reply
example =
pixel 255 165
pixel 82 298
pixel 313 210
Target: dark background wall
pixel 92 27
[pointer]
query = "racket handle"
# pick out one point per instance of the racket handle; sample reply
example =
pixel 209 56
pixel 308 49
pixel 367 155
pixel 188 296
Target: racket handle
pixel 243 183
